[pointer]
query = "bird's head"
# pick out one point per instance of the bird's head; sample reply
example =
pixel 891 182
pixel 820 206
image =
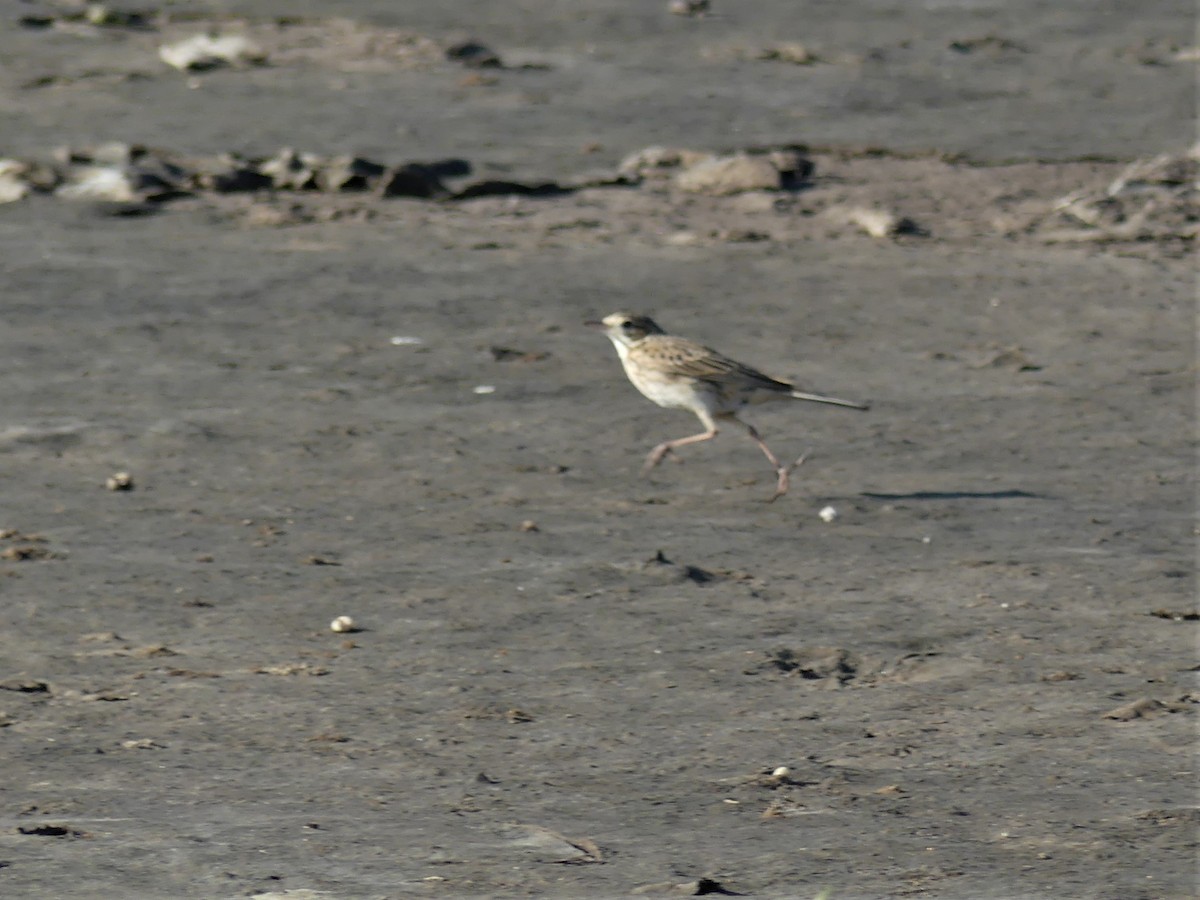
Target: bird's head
pixel 627 328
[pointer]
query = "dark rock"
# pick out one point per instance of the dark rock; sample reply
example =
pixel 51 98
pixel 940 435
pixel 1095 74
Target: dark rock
pixel 474 55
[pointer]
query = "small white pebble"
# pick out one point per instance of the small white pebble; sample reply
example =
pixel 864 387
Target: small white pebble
pixel 781 772
pixel 405 340
pixel 828 514
pixel 927 540
pixel 485 389
pixel 119 481
pixel 342 624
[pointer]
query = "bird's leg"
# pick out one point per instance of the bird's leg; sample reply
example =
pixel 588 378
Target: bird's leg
pixel 782 472
pixel 658 453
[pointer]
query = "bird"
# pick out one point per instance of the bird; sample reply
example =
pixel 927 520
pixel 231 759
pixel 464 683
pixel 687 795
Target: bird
pixel 678 373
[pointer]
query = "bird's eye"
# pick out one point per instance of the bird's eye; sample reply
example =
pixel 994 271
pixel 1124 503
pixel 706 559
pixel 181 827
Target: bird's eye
pixel 627 324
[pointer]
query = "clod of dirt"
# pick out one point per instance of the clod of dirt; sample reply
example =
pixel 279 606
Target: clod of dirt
pixel 98 183
pixel 13 182
pixel 697 888
pixel 413 180
pixel 328 737
pixel 783 808
pixel 142 744
pixel 51 831
pixel 99 637
pixel 512 715
pixel 1151 199
pixel 231 176
pixel 191 673
pixel 118 172
pixel 348 173
pixel 560 849
pixel 678 572
pixel 108 153
pixel 474 55
pixel 651 160
pixel 25 687
pixel 740 235
pixel 124 184
pixel 290 170
pixel 27 553
pixel 922 668
pixel 264 215
pixel 104 16
pixel 1183 815
pixel 813 663
pixel 206 51
pixel 507 354
pixel 780 776
pixel 726 175
pixel 878 223
pixel 38 176
pixel 14 534
pixel 789 52
pixel 1142 708
pixel 1009 358
pixel 499 187
pixel 682 239
pixel 1176 615
pixel 97 15
pixel 692 8
pixel 151 651
pixel 989 44
pixel 291 669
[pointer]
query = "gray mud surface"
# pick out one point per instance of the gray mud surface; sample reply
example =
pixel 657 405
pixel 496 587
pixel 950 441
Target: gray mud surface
pixel 571 681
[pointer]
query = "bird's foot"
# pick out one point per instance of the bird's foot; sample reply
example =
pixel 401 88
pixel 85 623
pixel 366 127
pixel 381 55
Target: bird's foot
pixel 784 477
pixel 782 485
pixel 656 456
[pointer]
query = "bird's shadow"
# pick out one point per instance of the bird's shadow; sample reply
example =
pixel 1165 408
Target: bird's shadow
pixel 957 495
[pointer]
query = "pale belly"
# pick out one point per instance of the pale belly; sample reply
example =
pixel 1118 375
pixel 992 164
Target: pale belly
pixel 677 393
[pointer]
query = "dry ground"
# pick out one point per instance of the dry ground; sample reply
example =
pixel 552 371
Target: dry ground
pixel 571 681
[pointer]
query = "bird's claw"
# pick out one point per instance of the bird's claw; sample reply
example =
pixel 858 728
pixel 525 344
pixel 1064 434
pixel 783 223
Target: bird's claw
pixel 657 455
pixel 784 473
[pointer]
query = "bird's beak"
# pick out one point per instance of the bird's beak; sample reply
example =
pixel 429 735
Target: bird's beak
pixel 592 323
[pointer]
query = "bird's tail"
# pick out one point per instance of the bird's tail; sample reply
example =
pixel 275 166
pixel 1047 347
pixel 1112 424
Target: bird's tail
pixel 833 401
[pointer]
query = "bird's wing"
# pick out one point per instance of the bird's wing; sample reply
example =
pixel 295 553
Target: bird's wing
pixel 679 356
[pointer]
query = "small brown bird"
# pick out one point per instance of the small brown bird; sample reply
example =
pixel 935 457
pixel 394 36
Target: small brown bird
pixel 681 374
